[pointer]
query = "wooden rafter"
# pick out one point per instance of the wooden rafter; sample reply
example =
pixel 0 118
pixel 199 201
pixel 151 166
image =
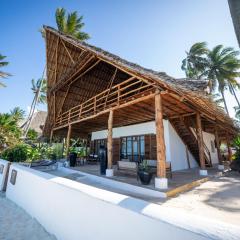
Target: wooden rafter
pixel 110 86
pixel 63 100
pixel 72 55
pixel 67 80
pixel 68 53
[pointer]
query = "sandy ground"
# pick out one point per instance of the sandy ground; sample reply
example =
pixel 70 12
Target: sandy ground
pixel 16 224
pixel 218 199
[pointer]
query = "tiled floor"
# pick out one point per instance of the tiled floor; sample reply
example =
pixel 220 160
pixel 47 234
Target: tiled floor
pixel 179 178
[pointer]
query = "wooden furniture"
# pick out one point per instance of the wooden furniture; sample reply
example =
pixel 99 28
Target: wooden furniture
pixel 92 159
pixel 127 166
pixel 132 167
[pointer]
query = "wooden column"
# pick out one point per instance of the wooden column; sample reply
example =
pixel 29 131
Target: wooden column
pixel 200 141
pixel 51 136
pixel 109 140
pixel 161 149
pixel 229 147
pixel 68 139
pixel 218 145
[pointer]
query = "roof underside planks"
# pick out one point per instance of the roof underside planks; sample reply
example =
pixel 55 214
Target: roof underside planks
pixel 77 71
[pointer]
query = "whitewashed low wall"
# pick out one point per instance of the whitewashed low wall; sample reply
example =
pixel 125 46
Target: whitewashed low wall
pixel 72 210
pixel 4 174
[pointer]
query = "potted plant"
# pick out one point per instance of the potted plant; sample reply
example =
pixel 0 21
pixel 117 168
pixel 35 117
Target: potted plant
pixel 144 173
pixel 72 156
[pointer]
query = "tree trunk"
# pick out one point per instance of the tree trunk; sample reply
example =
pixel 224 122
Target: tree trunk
pixel 34 106
pixel 234 94
pixel 224 101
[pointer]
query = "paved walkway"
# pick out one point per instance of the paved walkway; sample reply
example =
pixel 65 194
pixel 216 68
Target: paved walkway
pixel 16 224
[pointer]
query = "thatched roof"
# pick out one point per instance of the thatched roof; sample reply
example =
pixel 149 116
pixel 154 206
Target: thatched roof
pixel 192 91
pixel 38 121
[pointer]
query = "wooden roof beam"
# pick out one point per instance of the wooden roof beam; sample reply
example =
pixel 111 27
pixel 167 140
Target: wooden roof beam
pixel 69 55
pixel 62 82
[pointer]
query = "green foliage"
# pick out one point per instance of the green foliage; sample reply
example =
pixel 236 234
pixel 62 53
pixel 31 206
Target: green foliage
pixel 18 114
pixel 3 74
pixel 70 24
pixel 27 152
pixel 32 135
pixel 236 145
pixel 10 132
pixel 18 153
pixel 195 62
pixel 220 66
pixel 40 86
pixel 143 166
pixel 237 112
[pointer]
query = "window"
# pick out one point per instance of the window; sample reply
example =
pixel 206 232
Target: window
pixel 132 148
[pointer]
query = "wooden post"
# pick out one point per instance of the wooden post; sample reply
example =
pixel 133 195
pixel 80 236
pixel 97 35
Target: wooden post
pixel 229 147
pixel 161 149
pixel 109 140
pixel 200 141
pixel 51 136
pixel 68 139
pixel 218 146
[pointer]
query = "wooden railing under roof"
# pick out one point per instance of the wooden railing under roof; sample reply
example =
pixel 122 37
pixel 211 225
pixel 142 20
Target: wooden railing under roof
pixel 119 94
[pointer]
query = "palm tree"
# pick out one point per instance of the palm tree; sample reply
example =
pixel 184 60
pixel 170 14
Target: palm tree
pixel 222 69
pixel 216 97
pixel 70 24
pixel 10 132
pixel 233 86
pixel 18 114
pixel 237 112
pixel 39 89
pixel 194 63
pixel 220 66
pixel 3 74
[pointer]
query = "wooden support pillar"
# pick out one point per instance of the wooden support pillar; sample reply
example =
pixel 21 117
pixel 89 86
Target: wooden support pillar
pixel 218 146
pixel 161 149
pixel 68 139
pixel 229 147
pixel 109 140
pixel 200 141
pixel 51 136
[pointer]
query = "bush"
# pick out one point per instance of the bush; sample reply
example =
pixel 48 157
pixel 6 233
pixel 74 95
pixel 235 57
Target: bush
pixel 32 135
pixel 18 153
pixel 27 152
pixel 235 164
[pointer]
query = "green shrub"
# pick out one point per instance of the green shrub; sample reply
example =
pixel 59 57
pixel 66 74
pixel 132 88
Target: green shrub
pixel 18 153
pixel 32 135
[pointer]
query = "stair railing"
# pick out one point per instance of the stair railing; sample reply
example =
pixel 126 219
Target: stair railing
pixel 207 153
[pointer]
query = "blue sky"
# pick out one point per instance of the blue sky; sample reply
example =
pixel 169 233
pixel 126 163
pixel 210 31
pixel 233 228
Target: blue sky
pixel 153 33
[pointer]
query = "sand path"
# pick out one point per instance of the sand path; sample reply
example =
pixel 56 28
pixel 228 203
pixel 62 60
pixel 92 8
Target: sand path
pixel 16 224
